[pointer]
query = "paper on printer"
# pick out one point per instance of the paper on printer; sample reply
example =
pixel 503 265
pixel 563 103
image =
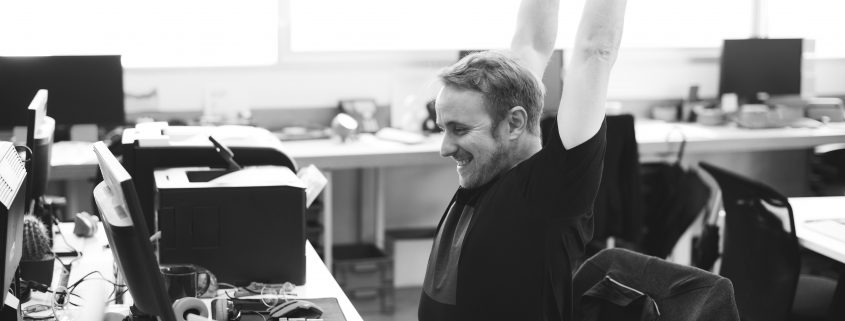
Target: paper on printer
pixel 310 179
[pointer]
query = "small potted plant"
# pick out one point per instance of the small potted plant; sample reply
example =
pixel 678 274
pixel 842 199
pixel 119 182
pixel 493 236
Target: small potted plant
pixel 37 257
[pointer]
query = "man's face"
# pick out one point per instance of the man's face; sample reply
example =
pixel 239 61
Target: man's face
pixel 468 138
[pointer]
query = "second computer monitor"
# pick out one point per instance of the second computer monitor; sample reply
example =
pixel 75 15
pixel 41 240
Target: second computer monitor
pixel 751 66
pixel 83 89
pixel 39 140
pixel 128 237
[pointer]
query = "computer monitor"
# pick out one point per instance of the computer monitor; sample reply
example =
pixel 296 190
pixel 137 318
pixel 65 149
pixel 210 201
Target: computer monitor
pixel 552 80
pixel 39 139
pixel 750 66
pixel 128 237
pixel 83 89
pixel 12 181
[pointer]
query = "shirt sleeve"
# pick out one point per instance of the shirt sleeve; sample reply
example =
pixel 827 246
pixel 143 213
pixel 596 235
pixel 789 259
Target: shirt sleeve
pixel 561 183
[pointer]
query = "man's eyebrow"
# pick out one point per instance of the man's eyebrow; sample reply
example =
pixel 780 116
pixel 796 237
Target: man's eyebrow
pixel 450 123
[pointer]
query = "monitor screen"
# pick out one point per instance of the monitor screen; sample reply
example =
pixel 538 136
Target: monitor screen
pixel 129 238
pixel 552 80
pixel 83 89
pixel 39 139
pixel 750 66
pixel 12 177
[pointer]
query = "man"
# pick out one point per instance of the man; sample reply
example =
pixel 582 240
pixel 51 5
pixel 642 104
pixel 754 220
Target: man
pixel 505 247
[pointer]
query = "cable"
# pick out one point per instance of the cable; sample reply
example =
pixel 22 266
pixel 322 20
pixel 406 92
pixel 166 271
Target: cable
pixel 28 152
pixel 64 239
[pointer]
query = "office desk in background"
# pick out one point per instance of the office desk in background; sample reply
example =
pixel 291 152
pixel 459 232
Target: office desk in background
pixel 807 209
pixel 656 140
pixel 319 283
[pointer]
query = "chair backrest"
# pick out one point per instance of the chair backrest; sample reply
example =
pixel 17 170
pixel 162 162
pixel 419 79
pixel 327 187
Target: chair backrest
pixel 828 170
pixel 760 253
pixel 618 284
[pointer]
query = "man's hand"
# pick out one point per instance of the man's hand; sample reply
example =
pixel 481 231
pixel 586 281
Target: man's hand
pixel 536 30
pixel 585 84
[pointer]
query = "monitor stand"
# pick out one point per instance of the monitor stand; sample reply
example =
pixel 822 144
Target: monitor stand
pixel 9 313
pixel 9 309
pixel 137 315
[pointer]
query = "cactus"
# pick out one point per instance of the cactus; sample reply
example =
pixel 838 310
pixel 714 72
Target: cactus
pixel 36 242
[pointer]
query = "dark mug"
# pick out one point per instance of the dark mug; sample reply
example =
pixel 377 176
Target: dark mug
pixel 187 280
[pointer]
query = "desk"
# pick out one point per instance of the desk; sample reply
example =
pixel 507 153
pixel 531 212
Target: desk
pixel 813 208
pixel 74 165
pixel 319 283
pixel 657 137
pixel 657 140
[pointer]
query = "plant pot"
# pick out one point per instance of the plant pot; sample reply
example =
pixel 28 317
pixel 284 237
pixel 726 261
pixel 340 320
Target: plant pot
pixel 38 271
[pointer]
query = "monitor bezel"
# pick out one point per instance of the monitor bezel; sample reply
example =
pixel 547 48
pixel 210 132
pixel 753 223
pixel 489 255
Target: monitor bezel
pixel 117 189
pixel 12 223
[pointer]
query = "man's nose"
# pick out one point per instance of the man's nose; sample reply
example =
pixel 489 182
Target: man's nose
pixel 447 147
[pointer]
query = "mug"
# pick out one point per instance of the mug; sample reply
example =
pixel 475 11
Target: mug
pixel 187 280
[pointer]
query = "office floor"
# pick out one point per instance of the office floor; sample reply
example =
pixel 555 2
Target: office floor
pixel 407 301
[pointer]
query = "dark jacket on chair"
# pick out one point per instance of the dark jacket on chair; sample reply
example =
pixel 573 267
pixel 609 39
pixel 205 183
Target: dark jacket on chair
pixel 618 284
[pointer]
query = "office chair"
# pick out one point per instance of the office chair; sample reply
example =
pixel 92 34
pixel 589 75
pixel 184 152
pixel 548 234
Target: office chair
pixel 674 196
pixel 761 252
pixel 827 167
pixel 618 284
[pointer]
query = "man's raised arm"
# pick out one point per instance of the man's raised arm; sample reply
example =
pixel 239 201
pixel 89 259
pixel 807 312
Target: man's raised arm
pixel 585 85
pixel 536 30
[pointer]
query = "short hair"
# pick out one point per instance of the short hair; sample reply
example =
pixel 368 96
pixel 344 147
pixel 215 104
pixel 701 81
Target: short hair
pixel 502 81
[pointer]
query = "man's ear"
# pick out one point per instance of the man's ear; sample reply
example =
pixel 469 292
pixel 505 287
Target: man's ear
pixel 517 121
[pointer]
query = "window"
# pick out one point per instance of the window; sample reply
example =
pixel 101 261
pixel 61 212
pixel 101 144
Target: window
pixel 148 33
pixel 367 25
pixel 819 20
pixel 686 23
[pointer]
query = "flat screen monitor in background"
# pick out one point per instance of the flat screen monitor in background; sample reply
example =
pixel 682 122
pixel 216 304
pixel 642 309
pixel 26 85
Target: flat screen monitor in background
pixel 552 79
pixel 129 237
pixel 750 66
pixel 83 89
pixel 12 178
pixel 39 139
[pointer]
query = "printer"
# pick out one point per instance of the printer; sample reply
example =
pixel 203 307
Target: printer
pixel 242 231
pixel 149 146
pixel 245 225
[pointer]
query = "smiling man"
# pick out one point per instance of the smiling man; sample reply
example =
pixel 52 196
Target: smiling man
pixel 506 246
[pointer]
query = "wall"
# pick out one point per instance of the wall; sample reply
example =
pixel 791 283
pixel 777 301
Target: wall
pixel 320 80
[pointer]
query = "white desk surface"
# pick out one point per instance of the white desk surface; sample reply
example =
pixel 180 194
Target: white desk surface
pixel 74 159
pixel 319 283
pixel 365 151
pixel 655 137
pixel 814 208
